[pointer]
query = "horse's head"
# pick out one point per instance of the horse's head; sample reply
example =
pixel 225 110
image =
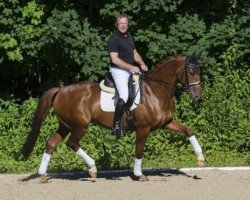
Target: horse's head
pixel 178 69
pixel 191 79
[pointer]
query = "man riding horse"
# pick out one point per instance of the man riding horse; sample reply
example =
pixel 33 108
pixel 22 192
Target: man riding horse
pixel 77 105
pixel 123 55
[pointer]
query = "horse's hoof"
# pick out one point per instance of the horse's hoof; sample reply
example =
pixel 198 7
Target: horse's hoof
pixel 43 179
pixel 93 172
pixel 143 178
pixel 201 163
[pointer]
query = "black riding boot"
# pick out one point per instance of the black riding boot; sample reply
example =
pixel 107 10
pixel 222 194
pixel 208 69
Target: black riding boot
pixel 117 118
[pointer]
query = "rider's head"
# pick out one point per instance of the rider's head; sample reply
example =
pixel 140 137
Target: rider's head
pixel 122 23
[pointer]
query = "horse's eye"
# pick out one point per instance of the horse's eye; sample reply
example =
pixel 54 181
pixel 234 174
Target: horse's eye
pixel 191 71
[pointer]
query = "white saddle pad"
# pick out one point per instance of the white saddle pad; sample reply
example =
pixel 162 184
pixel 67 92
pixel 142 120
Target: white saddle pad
pixel 107 103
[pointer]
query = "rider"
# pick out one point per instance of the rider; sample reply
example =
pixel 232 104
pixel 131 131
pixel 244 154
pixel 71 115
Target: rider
pixel 123 55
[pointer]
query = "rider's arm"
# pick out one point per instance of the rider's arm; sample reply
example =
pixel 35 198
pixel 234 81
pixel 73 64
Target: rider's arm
pixel 120 63
pixel 139 60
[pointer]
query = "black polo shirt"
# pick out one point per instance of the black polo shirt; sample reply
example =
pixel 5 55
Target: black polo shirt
pixel 124 45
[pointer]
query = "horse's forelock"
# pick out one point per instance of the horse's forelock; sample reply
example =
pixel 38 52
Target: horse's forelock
pixel 193 60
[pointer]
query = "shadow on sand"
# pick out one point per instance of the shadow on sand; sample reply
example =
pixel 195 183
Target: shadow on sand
pixel 111 175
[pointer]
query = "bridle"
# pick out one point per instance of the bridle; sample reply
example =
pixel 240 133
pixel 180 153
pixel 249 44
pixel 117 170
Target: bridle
pixel 187 86
pixel 196 68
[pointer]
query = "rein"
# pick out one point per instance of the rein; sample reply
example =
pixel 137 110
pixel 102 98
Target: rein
pixel 146 77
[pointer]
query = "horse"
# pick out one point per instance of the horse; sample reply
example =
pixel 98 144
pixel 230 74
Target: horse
pixel 78 104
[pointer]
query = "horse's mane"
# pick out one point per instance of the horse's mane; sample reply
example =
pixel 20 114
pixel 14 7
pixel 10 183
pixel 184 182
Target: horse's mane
pixel 166 60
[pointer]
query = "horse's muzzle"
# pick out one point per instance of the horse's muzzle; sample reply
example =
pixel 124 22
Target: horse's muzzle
pixel 195 97
pixel 195 93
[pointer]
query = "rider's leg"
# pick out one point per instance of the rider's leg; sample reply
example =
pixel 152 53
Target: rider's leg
pixel 117 117
pixel 120 77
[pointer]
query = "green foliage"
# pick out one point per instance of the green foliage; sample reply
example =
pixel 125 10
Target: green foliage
pixel 56 43
pixel 224 46
pixel 222 119
pixel 22 30
pixel 9 44
pixel 134 7
pixel 34 12
pixel 182 35
pixel 70 36
pixel 228 114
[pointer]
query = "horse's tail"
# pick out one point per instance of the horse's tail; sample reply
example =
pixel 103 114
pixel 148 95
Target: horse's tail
pixel 41 112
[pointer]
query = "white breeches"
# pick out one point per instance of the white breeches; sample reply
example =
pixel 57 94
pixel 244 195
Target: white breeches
pixel 121 77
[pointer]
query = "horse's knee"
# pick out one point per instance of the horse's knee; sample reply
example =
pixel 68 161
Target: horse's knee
pixel 139 155
pixel 188 133
pixel 50 146
pixel 52 143
pixel 74 146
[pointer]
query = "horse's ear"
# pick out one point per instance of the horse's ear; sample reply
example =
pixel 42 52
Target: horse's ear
pixel 197 54
pixel 192 56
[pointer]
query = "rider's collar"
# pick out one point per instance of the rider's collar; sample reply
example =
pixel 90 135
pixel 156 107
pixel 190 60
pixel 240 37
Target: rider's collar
pixel 123 35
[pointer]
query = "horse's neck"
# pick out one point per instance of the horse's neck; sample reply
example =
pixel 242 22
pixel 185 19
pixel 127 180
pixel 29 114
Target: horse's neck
pixel 163 82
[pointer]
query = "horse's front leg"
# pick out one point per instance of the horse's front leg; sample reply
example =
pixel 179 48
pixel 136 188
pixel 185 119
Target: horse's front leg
pixel 141 137
pixel 175 126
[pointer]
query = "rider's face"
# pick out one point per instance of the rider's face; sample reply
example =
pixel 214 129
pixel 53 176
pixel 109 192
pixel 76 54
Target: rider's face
pixel 122 24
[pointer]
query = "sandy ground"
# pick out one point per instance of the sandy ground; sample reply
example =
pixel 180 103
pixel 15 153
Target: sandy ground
pixel 164 184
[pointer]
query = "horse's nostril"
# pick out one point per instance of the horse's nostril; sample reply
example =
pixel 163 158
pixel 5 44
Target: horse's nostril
pixel 196 97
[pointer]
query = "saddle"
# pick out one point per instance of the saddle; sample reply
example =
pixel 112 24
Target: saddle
pixel 108 85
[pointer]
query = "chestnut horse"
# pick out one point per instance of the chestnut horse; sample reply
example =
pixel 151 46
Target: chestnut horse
pixel 77 105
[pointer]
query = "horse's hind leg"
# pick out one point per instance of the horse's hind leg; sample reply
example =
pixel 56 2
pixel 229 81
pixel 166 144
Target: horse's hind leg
pixel 73 143
pixel 175 126
pixel 141 137
pixel 51 145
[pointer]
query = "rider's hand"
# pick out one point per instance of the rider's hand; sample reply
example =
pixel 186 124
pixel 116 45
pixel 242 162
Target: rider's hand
pixel 144 67
pixel 135 70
